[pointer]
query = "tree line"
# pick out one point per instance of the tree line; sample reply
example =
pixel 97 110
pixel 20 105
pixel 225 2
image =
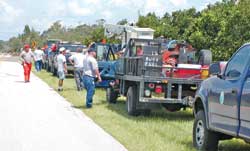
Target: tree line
pixel 222 27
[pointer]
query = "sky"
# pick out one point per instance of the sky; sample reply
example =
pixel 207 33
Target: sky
pixel 15 14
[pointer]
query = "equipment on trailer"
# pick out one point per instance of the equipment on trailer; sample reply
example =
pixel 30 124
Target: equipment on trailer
pixel 142 76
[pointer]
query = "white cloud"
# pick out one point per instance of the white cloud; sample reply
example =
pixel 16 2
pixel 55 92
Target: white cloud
pixel 8 13
pixel 120 3
pixel 131 4
pixel 41 24
pixel 178 2
pixel 75 9
pixel 53 10
pixel 107 14
pixel 92 2
pixel 156 6
pixel 14 14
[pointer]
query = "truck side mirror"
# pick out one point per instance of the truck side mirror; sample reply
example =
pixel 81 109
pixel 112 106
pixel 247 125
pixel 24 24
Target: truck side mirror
pixel 214 69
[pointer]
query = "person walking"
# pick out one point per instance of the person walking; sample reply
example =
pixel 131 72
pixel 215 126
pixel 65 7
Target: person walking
pixel 39 54
pixel 77 61
pixel 26 59
pixel 61 67
pixel 90 72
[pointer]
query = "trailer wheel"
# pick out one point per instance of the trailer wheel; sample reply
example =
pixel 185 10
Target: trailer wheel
pixel 204 139
pixel 172 107
pixel 111 95
pixel 205 57
pixel 132 98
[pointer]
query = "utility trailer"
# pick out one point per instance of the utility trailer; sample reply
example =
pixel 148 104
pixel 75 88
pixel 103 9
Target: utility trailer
pixel 147 83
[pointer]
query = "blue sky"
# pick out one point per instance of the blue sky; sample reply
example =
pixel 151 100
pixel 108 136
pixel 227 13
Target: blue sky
pixel 14 14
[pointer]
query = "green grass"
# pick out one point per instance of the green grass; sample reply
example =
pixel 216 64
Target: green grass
pixel 161 131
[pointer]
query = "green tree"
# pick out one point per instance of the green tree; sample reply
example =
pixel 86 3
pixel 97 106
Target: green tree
pixel 122 22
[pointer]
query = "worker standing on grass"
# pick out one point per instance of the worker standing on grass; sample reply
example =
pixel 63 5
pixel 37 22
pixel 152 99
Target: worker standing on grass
pixel 90 72
pixel 26 59
pixel 61 67
pixel 77 61
pixel 39 54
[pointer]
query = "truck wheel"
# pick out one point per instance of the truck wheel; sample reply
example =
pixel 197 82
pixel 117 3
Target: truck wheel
pixel 111 95
pixel 205 57
pixel 132 98
pixel 204 139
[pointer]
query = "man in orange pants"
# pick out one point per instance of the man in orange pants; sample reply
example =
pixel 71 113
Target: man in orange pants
pixel 26 58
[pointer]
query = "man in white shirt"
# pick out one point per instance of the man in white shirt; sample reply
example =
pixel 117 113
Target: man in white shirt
pixel 61 67
pixel 90 72
pixel 77 61
pixel 38 56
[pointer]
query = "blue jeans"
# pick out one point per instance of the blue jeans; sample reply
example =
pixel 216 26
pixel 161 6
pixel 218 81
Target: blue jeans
pixel 89 85
pixel 38 65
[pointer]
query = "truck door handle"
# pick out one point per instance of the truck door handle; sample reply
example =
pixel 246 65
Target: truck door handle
pixel 234 91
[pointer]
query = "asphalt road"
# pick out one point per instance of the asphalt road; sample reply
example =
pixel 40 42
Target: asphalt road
pixel 34 117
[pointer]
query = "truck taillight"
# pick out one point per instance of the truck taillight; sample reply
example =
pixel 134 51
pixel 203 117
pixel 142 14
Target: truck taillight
pixel 151 85
pixel 205 71
pixel 158 89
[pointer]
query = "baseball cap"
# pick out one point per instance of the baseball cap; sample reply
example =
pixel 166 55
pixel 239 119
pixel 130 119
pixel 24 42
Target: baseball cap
pixel 62 49
pixel 26 46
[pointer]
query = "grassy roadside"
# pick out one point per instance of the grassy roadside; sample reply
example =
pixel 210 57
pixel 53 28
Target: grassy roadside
pixel 161 131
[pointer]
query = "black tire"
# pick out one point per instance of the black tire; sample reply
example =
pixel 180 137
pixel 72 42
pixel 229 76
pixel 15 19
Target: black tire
pixel 204 139
pixel 132 99
pixel 111 95
pixel 205 57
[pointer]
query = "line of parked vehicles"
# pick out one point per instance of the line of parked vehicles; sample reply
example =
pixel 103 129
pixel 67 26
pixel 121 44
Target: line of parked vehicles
pixel 156 73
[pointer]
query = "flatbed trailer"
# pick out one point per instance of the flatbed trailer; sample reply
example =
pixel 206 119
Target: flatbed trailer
pixel 148 84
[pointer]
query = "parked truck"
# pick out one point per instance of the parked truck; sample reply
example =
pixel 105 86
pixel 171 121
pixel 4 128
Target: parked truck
pixel 222 103
pixel 105 55
pixel 147 83
pixel 50 48
pixel 71 48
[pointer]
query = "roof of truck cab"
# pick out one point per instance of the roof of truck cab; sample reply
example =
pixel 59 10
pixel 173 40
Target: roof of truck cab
pixel 142 29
